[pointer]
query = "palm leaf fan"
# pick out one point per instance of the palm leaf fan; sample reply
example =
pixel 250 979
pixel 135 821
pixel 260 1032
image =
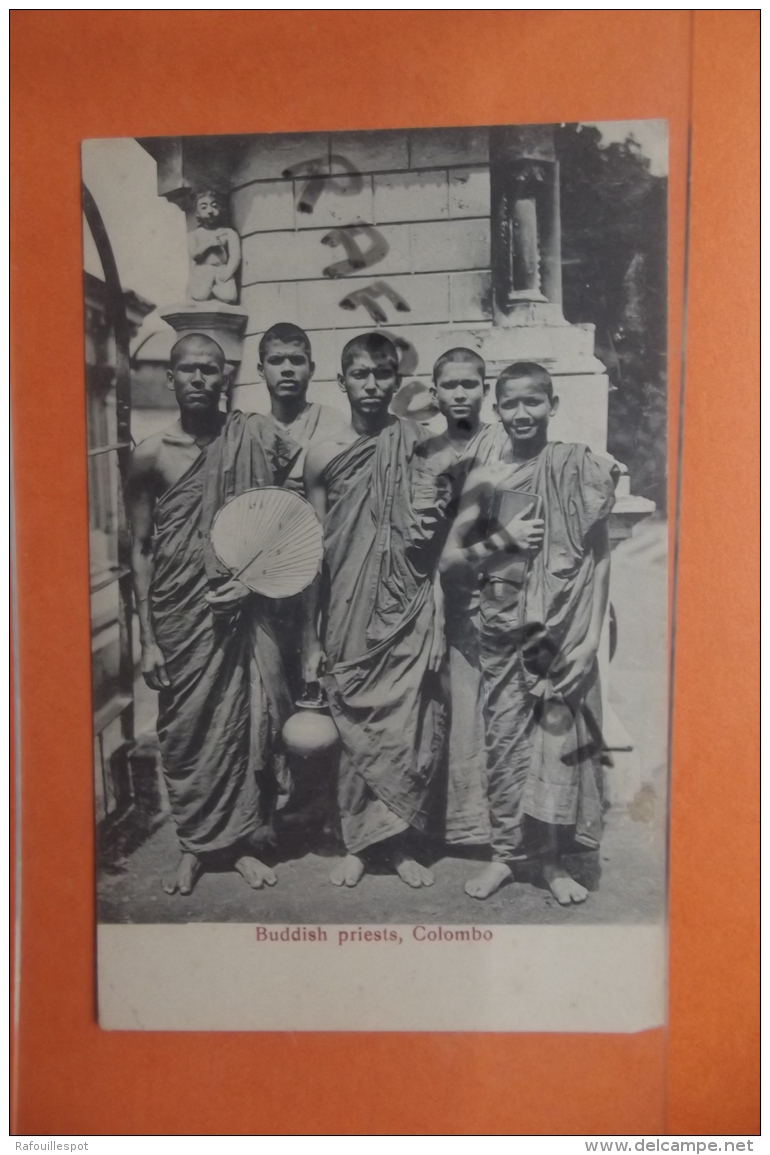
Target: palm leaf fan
pixel 271 539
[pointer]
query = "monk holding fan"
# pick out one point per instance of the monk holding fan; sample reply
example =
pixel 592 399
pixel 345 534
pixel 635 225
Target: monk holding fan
pixel 208 643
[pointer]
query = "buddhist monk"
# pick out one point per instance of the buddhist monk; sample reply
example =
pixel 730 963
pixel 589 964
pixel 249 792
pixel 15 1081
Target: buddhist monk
pixel 286 366
pixel 378 641
pixel 543 599
pixel 460 386
pixel 208 645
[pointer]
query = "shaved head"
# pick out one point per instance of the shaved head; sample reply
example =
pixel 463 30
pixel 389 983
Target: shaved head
pixel 287 334
pixel 377 345
pixel 460 356
pixel 197 343
pixel 526 370
pixel 198 374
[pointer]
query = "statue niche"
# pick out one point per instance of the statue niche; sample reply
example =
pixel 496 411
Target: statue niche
pixel 215 252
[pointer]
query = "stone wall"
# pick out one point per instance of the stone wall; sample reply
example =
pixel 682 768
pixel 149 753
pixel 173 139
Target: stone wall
pixel 345 232
pixel 420 204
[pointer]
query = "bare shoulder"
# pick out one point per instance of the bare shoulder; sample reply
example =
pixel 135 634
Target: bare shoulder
pixel 322 451
pixel 146 455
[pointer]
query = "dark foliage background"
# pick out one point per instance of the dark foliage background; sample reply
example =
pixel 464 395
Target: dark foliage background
pixel 614 218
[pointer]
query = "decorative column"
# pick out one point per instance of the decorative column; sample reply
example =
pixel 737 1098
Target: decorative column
pixel 194 173
pixel 525 228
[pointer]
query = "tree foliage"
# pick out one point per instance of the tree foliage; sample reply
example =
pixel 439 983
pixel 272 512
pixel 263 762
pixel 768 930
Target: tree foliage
pixel 614 218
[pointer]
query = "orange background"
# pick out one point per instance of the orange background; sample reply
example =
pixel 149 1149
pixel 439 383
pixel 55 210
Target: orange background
pixel 79 74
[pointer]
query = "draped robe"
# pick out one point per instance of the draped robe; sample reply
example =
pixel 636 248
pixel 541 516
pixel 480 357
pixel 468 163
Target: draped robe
pixel 316 422
pixel 466 819
pixel 382 541
pixel 543 752
pixel 219 721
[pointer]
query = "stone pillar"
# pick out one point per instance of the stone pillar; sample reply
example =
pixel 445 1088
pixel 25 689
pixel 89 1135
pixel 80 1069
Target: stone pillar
pixel 525 231
pixel 187 164
pixel 551 248
pixel 524 251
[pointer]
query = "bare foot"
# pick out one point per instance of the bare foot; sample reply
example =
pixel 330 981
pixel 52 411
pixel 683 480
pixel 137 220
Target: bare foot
pixel 185 877
pixel 410 871
pixel 349 872
pixel 255 872
pixel 561 884
pixel 491 879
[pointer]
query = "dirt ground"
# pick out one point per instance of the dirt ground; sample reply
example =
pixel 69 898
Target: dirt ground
pixel 626 879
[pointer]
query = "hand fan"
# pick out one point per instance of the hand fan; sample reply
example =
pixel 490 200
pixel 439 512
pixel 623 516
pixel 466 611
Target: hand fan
pixel 271 539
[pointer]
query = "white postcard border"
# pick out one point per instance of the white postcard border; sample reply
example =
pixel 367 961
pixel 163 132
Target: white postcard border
pixel 235 977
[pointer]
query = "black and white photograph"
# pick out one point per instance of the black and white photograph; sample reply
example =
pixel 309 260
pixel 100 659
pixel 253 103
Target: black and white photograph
pixel 379 547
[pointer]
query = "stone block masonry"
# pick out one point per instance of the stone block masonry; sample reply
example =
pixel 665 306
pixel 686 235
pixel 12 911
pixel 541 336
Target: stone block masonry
pixel 411 196
pixel 315 254
pixel 346 232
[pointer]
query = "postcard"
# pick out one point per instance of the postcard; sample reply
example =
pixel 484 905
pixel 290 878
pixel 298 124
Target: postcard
pixel 377 468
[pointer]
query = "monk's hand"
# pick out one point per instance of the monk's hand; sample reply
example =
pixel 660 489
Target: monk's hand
pixel 526 534
pixel 228 596
pixel 154 667
pixel 430 520
pixel 573 669
pixel 437 650
pixel 438 643
pixel 313 661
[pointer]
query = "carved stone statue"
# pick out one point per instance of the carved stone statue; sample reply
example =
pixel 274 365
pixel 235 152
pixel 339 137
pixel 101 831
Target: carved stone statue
pixel 215 252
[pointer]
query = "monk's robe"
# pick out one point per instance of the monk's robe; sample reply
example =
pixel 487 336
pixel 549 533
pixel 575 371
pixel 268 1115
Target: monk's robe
pixel 382 539
pixel 466 819
pixel 543 752
pixel 315 423
pixel 220 720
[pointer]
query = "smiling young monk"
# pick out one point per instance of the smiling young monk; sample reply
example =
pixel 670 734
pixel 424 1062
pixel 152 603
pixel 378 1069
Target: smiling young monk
pixel 539 633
